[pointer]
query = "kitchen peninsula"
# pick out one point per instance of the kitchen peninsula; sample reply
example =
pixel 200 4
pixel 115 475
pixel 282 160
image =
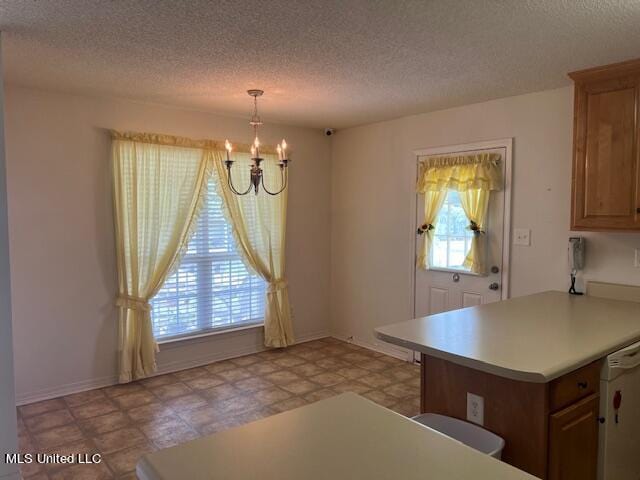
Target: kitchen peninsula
pixel 536 362
pixel 344 437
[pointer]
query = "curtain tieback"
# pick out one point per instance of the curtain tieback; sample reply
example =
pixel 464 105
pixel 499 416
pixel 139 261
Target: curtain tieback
pixel 427 227
pixel 475 228
pixel 277 285
pixel 133 303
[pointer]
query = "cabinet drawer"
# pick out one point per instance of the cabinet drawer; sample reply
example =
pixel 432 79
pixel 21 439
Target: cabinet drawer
pixel 573 386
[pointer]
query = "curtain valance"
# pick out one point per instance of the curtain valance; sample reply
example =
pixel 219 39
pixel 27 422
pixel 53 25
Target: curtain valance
pixel 184 142
pixel 463 172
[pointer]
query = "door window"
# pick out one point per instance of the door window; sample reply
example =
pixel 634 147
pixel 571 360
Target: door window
pixel 452 237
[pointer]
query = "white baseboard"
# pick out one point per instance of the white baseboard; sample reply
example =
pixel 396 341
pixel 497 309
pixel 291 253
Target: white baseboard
pixel 219 356
pixel 381 347
pixel 92 384
pixel 66 389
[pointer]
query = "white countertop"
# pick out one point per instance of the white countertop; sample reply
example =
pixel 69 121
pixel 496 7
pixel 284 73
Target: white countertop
pixel 535 338
pixel 342 438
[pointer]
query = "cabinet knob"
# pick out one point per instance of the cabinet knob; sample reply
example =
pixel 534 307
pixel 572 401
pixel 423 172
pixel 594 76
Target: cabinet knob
pixel 601 419
pixel 583 385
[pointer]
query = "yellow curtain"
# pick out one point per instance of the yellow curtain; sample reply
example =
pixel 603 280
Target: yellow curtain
pixel 474 176
pixel 461 173
pixel 433 200
pixel 259 225
pixel 158 191
pixel 475 203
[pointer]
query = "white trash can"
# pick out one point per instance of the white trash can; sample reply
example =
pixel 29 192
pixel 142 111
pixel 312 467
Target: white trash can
pixel 472 435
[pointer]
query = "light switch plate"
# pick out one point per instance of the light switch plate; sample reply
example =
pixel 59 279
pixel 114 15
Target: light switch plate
pixel 522 236
pixel 475 408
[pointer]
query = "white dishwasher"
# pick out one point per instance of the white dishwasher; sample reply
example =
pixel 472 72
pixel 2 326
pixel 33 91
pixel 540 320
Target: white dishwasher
pixel 619 438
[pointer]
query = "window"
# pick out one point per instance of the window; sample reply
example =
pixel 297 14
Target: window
pixel 452 237
pixel 212 289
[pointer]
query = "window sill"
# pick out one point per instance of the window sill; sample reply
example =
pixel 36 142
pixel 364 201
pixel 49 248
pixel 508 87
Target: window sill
pixel 208 333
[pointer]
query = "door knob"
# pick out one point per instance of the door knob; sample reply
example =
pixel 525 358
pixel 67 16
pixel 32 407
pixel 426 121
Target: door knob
pixel 495 269
pixel 494 286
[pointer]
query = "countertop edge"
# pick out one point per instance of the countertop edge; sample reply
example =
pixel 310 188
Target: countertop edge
pixel 517 375
pixel 579 331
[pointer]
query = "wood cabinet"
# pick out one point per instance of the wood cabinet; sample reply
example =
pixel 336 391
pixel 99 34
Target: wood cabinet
pixel 573 441
pixel 606 157
pixel 550 429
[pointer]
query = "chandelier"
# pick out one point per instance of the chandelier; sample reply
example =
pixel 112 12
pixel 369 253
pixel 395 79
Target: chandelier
pixel 256 177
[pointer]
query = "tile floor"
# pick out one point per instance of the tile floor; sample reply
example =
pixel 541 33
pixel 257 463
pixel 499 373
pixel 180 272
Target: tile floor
pixel 123 422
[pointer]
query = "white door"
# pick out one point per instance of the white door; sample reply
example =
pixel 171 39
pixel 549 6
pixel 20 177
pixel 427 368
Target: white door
pixel 448 285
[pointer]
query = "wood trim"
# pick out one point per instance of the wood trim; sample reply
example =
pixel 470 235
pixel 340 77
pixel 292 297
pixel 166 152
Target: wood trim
pixel 602 72
pixel 423 382
pixel 637 152
pixel 576 171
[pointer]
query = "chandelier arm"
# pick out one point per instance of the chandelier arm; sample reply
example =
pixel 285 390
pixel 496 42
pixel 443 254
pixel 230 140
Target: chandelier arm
pixel 233 189
pixel 283 180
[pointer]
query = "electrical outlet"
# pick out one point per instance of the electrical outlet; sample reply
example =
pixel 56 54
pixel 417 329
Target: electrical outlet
pixel 522 236
pixel 636 263
pixel 475 408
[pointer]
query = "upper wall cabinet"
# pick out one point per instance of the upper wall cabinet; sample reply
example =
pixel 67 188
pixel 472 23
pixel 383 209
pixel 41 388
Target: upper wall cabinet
pixel 606 161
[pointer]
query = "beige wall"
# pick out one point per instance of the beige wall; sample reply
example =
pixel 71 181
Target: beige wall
pixel 350 223
pixel 61 235
pixel 8 428
pixel 373 173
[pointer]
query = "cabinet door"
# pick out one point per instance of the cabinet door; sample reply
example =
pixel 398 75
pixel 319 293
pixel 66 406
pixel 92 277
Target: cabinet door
pixel 573 441
pixel 605 170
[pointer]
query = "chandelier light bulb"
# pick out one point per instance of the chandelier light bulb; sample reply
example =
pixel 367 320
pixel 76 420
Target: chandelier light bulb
pixel 227 147
pixel 279 150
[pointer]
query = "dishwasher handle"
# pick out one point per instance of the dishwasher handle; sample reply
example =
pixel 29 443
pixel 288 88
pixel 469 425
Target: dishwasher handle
pixel 628 357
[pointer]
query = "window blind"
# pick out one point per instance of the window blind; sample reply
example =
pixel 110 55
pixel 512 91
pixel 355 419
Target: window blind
pixel 212 289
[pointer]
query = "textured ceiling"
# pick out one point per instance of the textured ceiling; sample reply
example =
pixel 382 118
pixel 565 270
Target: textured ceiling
pixel 322 63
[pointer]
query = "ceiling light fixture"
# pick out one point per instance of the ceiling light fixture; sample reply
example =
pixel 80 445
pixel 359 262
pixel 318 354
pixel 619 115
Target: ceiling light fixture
pixel 256 175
